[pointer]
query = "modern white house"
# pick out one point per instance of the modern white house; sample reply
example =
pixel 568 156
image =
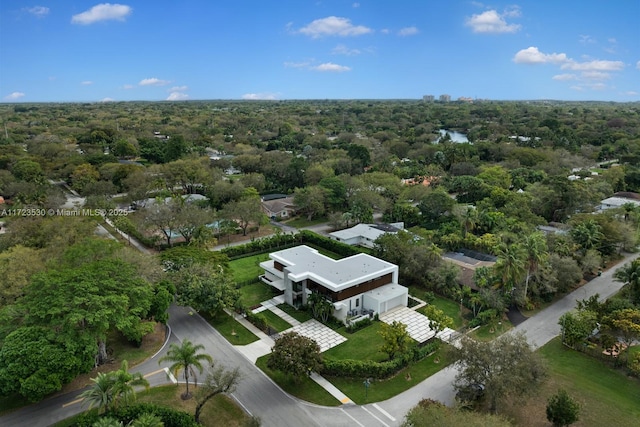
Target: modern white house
pixel 359 285
pixel 365 234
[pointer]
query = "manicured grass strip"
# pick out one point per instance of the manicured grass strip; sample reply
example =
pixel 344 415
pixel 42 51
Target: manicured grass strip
pixel 361 345
pixel 384 389
pixel 607 396
pixel 252 295
pixel 231 329
pixel 484 332
pixel 303 222
pixel 305 388
pixel 300 315
pixel 247 268
pixel 275 321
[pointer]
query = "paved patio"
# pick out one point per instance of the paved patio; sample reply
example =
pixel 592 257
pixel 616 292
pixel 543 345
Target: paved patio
pixel 323 335
pixel 417 325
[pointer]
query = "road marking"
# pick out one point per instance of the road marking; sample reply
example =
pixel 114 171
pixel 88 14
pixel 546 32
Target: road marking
pixel 369 412
pixel 166 341
pixel 170 375
pixel 154 372
pixel 354 420
pixel 72 402
pixel 241 404
pixel 385 413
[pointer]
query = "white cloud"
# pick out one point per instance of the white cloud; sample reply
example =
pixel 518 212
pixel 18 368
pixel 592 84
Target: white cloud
pixel 177 96
pixel 564 77
pixel 178 89
pixel 297 64
pixel 333 26
pixel 385 31
pixel 595 75
pixel 102 12
pixel 153 82
pixel 532 55
pixel 13 96
pixel 331 67
pixel 512 12
pixel 128 87
pixel 107 100
pixel 586 39
pixel 631 93
pixel 493 22
pixel 344 50
pixel 260 96
pixel 38 11
pixel 86 83
pixel 596 65
pixel 408 31
pixel 355 5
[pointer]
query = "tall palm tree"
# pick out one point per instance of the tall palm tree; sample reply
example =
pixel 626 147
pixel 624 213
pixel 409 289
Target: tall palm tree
pixel 535 246
pixel 510 266
pixel 185 357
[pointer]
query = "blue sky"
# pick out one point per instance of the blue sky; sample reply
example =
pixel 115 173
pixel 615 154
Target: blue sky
pixel 76 50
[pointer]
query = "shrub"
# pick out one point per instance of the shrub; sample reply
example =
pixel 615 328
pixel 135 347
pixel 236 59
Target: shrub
pixel 170 417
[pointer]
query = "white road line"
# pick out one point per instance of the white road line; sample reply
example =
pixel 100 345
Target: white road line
pixel 354 420
pixel 170 375
pixel 369 412
pixel 166 341
pixel 385 413
pixel 240 403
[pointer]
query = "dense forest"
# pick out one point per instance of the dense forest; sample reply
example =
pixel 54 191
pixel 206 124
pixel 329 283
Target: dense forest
pixel 523 165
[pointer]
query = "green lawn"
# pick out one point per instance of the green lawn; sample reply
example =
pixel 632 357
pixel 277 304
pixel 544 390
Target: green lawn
pixel 362 345
pixel 275 321
pixel 489 332
pixel 384 389
pixel 248 268
pixel 252 295
pixel 233 331
pixel 305 388
pixel 302 221
pixel 300 315
pixel 607 396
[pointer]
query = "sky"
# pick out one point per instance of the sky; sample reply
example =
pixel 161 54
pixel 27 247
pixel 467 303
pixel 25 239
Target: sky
pixel 85 51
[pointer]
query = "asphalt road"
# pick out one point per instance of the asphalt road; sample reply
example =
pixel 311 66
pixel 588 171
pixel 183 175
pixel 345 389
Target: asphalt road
pixel 261 397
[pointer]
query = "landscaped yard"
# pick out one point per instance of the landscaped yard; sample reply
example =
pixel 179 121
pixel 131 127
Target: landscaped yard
pixel 489 332
pixel 607 396
pixel 300 315
pixel 451 308
pixel 361 345
pixel 233 331
pixel 305 388
pixel 300 221
pixel 275 321
pixel 384 389
pixel 252 295
pixel 247 268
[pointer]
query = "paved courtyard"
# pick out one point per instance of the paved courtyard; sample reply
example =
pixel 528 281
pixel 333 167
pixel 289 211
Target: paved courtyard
pixel 417 324
pixel 323 335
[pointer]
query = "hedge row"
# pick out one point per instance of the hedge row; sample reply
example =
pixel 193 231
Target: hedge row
pixel 170 417
pixel 351 368
pixel 281 241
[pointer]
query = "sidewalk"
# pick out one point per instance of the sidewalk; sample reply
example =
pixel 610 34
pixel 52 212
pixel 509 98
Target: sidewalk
pixel 263 346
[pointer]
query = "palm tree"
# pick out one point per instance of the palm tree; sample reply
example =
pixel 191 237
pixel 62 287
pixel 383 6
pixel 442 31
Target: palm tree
pixel 510 266
pixel 124 383
pixel 535 246
pixel 186 357
pixel 101 392
pixel 110 388
pixel 629 274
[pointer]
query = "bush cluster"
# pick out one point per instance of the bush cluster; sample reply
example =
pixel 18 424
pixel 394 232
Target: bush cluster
pixel 351 368
pixel 170 417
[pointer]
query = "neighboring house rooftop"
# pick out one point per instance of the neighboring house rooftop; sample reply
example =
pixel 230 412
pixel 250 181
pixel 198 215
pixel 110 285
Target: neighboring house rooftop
pixel 279 207
pixel 469 261
pixel 365 234
pixel 304 262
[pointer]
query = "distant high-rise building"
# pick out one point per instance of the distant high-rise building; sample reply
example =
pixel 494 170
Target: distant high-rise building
pixel 428 98
pixel 445 98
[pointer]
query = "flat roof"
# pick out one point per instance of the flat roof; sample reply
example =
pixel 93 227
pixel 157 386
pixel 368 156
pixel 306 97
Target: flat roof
pixel 304 262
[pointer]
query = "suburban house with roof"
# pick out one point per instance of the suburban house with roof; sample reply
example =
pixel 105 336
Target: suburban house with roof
pixel 618 200
pixel 365 234
pixel 278 206
pixel 359 285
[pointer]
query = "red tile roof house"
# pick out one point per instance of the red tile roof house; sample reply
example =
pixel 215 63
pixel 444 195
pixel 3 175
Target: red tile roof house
pixel 358 285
